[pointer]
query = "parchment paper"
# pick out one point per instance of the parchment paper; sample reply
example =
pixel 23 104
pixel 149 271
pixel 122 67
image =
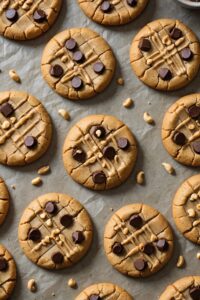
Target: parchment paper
pixel 160 187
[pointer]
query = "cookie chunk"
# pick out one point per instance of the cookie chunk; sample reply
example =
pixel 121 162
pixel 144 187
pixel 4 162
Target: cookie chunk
pixel 7 273
pixel 4 200
pixel 27 19
pixel 181 130
pixel 99 152
pixel 25 128
pixel 113 12
pixel 78 63
pixel 138 240
pixel 55 231
pixel 184 288
pixel 104 291
pixel 165 55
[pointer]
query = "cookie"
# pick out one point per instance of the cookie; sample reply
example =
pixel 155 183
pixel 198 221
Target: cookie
pixel 184 288
pixel 25 128
pixel 99 152
pixel 55 231
pixel 181 130
pixel 78 63
pixel 138 241
pixel 7 273
pixel 113 12
pixel 4 201
pixel 165 55
pixel 27 19
pixel 104 291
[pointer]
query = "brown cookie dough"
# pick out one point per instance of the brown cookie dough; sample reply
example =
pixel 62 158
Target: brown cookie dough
pixel 25 128
pixel 104 291
pixel 27 19
pixel 4 200
pixel 99 152
pixel 7 273
pixel 55 231
pixel 113 12
pixel 138 241
pixel 78 63
pixel 165 54
pixel 187 288
pixel 181 130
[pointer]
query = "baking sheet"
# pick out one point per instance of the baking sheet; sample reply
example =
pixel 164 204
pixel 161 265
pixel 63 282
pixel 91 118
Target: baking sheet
pixel 160 187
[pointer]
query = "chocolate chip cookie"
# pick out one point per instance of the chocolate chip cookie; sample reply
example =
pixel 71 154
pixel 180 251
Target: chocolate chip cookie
pixel 25 128
pixel 112 12
pixel 4 200
pixel 27 19
pixel 99 152
pixel 78 63
pixel 181 130
pixel 165 54
pixel 138 240
pixel 55 231
pixel 104 291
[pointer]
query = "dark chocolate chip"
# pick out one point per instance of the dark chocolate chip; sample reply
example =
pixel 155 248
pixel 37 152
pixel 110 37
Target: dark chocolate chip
pixel 56 71
pixel 78 237
pixel 98 131
pixel 106 6
pixel 117 248
pixel 57 258
pixel 179 138
pixel 186 54
pixel 132 3
pixel 145 45
pixel 194 111
pixel 123 143
pixel 165 74
pixel 162 245
pixel 98 67
pixel 136 221
pixel 66 220
pixel 109 152
pixel 30 141
pixel 99 177
pixel 3 264
pixel 79 155
pixel 51 207
pixel 6 109
pixel 39 16
pixel 71 44
pixel 196 147
pixel 94 297
pixel 149 249
pixel 78 56
pixel 77 83
pixel 195 293
pixel 140 264
pixel 12 15
pixel 176 33
pixel 34 235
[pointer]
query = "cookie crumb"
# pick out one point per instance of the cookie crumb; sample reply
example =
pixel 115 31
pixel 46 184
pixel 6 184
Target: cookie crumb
pixel 44 170
pixel 14 76
pixel 169 169
pixel 180 262
pixel 128 103
pixel 111 208
pixel 32 286
pixel 36 181
pixel 140 177
pixel 53 294
pixel 13 186
pixel 148 118
pixel 198 255
pixel 120 81
pixel 64 114
pixel 72 283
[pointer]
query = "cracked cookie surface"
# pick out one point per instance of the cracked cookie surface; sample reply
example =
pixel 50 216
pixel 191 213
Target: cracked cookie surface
pixel 78 63
pixel 138 241
pixel 25 128
pixel 4 200
pixel 185 288
pixel 113 12
pixel 99 152
pixel 55 231
pixel 27 19
pixel 104 291
pixel 181 130
pixel 7 273
pixel 165 54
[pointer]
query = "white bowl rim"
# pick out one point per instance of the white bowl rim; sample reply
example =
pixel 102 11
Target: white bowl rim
pixel 190 3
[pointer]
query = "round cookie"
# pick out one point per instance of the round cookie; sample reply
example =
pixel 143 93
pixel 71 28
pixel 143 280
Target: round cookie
pixel 165 55
pixel 138 241
pixel 104 291
pixel 181 130
pixel 7 273
pixel 99 152
pixel 186 208
pixel 55 231
pixel 4 201
pixel 78 63
pixel 113 12
pixel 25 128
pixel 184 288
pixel 27 19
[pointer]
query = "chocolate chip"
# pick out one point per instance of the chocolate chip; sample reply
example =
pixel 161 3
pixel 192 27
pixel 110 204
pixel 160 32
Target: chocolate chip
pixel 3 264
pixel 94 297
pixel 66 220
pixel 149 249
pixel 162 245
pixel 78 237
pixel 12 15
pixel 51 207
pixel 140 264
pixel 109 152
pixel 194 111
pixel 98 131
pixel 176 33
pixel 131 3
pixel 34 235
pixel 117 248
pixel 79 155
pixel 56 71
pixel 98 67
pixel 30 141
pixel 99 177
pixel 39 16
pixel 77 83
pixel 78 56
pixel 186 54
pixel 6 109
pixel 179 138
pixel 57 258
pixel 136 221
pixel 196 146
pixel 106 6
pixel 123 143
pixel 71 44
pixel 165 74
pixel 145 45
pixel 195 293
